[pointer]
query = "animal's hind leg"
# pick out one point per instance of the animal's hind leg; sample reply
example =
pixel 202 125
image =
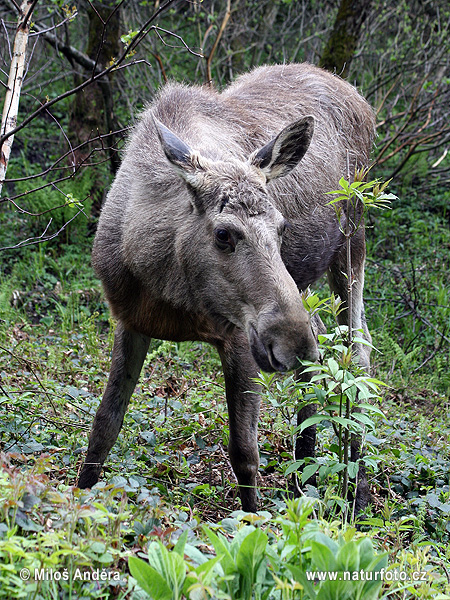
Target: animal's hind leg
pixel 243 409
pixel 338 280
pixel 128 356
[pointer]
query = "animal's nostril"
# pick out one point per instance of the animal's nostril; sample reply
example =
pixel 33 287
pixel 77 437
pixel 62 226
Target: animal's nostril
pixel 278 366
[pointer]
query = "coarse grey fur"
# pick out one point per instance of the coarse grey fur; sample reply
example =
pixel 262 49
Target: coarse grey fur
pixel 217 218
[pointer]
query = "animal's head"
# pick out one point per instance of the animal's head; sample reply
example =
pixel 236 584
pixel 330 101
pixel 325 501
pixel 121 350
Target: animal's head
pixel 231 244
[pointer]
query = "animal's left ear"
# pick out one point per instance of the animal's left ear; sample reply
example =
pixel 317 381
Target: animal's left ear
pixel 283 153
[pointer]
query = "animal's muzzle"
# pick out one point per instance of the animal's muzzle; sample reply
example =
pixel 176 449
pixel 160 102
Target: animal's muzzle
pixel 278 342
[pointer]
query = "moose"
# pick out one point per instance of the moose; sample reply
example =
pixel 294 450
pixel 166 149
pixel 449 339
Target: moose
pixel 217 220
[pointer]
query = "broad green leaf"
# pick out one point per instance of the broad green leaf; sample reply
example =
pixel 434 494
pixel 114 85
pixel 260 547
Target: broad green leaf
pixel 360 340
pixel 311 421
pixel 149 579
pixel 203 573
pixel 251 553
pixel 370 589
pixel 353 468
pixel 97 547
pixel 299 575
pixel 179 546
pixel 322 558
pixel 347 423
pixel 177 571
pixel 170 565
pixel 366 553
pixel 364 419
pixel 195 554
pixel 372 408
pixel 309 471
pixel 158 558
pixel 221 546
pixel 207 568
pixel 348 557
pixel 333 366
pixel 294 466
pixel 337 589
pixel 337 468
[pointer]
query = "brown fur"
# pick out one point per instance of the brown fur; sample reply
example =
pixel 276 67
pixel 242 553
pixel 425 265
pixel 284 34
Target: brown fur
pixel 200 163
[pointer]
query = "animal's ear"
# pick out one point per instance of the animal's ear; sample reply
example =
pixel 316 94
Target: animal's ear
pixel 190 165
pixel 285 151
pixel 177 152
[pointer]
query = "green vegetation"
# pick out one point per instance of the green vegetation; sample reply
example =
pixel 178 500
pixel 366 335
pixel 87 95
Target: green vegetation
pixel 168 472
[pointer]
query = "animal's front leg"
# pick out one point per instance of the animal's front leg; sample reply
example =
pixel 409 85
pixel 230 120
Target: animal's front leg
pixel 339 281
pixel 128 356
pixel 243 408
pixel 305 443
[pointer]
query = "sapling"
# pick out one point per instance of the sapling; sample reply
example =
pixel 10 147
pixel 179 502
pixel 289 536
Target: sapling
pixel 338 385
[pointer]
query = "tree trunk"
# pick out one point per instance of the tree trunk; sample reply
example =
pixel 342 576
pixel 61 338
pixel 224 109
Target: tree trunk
pixel 343 41
pixel 93 110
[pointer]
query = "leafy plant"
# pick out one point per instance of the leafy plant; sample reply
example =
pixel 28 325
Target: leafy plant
pixel 288 556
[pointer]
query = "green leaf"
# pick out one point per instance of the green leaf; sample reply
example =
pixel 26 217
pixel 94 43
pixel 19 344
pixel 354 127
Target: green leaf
pixel 203 573
pixel 221 546
pixel 294 466
pixel 311 421
pixel 251 553
pixel 179 546
pixel 333 366
pixel 371 408
pixel 106 558
pixel 337 468
pixel 366 553
pixel 348 557
pixel 149 579
pixel 322 558
pixel 352 468
pixel 344 184
pixel 97 547
pixel 370 589
pixel 364 419
pixel 347 423
pixel 170 565
pixel 299 575
pixel 309 471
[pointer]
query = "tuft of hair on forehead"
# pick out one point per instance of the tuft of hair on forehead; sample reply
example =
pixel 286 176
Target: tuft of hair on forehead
pixel 244 195
pixel 239 188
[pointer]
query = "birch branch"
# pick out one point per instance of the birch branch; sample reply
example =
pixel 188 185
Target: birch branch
pixel 15 80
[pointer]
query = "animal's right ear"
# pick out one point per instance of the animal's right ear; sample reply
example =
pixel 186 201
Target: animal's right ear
pixel 176 151
pixel 190 165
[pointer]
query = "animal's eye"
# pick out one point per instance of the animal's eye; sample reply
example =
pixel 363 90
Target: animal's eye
pixel 224 240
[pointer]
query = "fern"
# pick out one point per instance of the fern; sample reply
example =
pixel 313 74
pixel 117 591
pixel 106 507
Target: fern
pixel 395 355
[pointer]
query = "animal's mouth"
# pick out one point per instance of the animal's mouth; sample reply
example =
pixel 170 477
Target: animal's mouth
pixel 263 354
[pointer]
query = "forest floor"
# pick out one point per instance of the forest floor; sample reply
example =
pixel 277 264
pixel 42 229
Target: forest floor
pixel 169 468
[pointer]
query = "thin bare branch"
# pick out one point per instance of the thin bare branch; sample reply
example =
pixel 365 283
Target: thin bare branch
pixel 127 51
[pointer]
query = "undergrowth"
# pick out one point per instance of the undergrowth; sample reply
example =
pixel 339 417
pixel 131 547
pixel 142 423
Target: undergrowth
pixel 169 471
